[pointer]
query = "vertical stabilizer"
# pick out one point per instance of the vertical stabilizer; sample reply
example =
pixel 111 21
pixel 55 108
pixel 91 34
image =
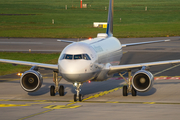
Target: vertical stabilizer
pixel 109 30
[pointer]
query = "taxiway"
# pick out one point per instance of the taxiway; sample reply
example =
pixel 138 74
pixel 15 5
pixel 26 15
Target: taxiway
pixel 102 100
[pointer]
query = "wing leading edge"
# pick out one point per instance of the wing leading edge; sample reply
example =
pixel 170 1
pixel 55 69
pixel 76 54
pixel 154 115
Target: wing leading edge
pixel 141 43
pixel 114 69
pixel 42 65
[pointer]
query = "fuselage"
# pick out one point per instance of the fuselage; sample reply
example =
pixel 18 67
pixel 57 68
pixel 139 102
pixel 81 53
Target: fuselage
pixel 85 60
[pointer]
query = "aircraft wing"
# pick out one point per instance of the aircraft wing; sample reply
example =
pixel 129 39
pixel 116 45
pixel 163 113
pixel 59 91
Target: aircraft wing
pixel 67 41
pixel 42 65
pixel 118 68
pixel 141 43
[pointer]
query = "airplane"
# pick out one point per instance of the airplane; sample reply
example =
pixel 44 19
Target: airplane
pixel 97 59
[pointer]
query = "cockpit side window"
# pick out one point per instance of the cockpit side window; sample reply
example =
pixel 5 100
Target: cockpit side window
pixel 69 57
pixel 62 57
pixel 86 57
pixel 77 57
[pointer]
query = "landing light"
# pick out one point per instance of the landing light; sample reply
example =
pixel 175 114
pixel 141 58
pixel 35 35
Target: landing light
pixel 75 84
pixel 89 81
pixel 19 74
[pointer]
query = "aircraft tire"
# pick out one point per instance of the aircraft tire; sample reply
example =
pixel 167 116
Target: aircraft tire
pixel 80 97
pixel 125 91
pixel 52 90
pixel 75 97
pixel 61 90
pixel 134 92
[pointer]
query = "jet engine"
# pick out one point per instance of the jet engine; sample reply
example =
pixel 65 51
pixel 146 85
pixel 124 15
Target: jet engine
pixel 31 80
pixel 142 80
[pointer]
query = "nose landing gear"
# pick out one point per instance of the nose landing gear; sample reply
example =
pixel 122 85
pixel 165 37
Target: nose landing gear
pixel 77 96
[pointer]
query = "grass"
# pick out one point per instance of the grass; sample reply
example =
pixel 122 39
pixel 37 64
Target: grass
pixel 32 57
pixel 161 18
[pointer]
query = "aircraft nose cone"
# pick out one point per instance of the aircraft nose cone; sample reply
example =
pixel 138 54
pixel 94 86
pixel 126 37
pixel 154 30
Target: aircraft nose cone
pixel 78 77
pixel 72 77
pixel 76 71
pixel 74 67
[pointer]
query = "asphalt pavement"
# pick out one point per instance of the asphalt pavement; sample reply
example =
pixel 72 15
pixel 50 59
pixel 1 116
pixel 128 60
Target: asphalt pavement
pixel 101 100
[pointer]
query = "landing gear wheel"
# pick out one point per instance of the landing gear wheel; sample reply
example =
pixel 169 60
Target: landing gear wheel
pixel 75 97
pixel 80 97
pixel 125 91
pixel 52 91
pixel 134 92
pixel 61 90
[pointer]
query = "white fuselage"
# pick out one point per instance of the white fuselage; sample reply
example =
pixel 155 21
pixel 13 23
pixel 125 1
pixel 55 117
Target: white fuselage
pixel 86 60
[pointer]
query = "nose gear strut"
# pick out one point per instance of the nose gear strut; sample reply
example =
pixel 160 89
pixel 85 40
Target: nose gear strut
pixel 77 96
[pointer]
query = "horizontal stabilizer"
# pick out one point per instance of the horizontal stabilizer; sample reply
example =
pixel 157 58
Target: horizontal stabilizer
pixel 67 41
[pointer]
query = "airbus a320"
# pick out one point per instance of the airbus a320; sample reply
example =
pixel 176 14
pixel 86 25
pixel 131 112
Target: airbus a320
pixel 91 60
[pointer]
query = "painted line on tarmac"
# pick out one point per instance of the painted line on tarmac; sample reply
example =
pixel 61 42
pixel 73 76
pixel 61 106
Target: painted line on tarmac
pixel 148 103
pixel 167 69
pixel 71 105
pixel 165 103
pixel 62 106
pixel 20 105
pixel 103 93
pixel 51 108
pixel 167 78
pixel 36 114
pixel 13 105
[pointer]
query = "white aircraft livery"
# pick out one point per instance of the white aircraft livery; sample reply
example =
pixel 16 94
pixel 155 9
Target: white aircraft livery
pixel 91 60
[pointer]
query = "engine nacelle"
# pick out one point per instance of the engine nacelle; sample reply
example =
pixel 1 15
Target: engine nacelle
pixel 143 80
pixel 31 80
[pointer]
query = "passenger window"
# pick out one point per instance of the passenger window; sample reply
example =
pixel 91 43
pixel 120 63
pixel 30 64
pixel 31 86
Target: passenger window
pixel 77 57
pixel 69 57
pixel 86 57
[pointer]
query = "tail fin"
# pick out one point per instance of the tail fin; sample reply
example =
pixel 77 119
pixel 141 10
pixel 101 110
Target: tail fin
pixel 109 30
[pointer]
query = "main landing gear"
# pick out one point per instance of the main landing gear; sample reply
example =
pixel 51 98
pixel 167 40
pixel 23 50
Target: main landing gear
pixel 129 88
pixel 77 96
pixel 56 88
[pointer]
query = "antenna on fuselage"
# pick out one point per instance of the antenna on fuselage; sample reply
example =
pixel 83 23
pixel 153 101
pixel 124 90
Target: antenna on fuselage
pixel 109 30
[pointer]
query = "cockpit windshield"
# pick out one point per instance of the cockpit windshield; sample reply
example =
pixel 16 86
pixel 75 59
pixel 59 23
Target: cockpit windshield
pixel 69 57
pixel 86 57
pixel 75 57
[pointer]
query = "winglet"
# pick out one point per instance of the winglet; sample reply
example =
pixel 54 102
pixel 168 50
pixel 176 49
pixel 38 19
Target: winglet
pixel 109 30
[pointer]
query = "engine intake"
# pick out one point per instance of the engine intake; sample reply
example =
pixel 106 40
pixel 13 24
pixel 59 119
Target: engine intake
pixel 143 80
pixel 31 80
